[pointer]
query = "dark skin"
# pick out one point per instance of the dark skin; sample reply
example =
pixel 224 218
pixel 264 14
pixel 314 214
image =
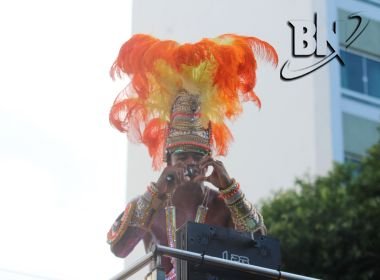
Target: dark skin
pixel 187 194
pixel 179 162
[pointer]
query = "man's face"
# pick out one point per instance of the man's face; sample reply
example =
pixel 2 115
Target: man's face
pixel 190 160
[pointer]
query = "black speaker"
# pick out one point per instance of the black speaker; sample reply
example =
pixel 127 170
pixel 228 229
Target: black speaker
pixel 228 244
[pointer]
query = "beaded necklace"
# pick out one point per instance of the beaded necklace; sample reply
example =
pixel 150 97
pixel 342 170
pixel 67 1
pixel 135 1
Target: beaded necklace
pixel 171 225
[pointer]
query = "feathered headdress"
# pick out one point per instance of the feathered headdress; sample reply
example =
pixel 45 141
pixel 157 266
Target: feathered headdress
pixel 219 72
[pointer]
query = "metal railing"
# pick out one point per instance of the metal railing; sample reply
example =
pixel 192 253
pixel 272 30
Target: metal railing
pixel 159 251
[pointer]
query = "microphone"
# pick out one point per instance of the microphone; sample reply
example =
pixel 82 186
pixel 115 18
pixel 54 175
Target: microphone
pixel 188 172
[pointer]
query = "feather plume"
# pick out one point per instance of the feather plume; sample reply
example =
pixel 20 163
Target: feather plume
pixel 220 70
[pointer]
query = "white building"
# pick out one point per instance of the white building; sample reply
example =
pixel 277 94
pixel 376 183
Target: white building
pixel 304 124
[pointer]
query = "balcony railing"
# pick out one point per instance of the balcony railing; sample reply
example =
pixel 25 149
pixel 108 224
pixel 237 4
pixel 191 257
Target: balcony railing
pixel 158 273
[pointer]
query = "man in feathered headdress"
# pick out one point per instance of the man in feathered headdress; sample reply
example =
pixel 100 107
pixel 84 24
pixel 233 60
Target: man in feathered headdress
pixel 176 105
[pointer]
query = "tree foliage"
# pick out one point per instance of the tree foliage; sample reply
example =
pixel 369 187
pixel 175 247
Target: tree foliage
pixel 330 227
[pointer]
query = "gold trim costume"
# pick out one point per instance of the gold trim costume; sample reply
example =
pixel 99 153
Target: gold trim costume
pixel 178 100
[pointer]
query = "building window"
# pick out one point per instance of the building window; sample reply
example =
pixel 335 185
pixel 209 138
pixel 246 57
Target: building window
pixel 359 135
pixel 373 74
pixel 360 74
pixel 353 158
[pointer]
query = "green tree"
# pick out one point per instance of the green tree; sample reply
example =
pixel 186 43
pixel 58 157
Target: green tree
pixel 330 227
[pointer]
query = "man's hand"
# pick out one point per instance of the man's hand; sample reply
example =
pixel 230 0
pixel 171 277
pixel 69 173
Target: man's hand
pixel 218 177
pixel 171 177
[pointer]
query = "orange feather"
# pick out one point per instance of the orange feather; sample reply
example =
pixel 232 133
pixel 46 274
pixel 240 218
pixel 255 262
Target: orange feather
pixel 232 78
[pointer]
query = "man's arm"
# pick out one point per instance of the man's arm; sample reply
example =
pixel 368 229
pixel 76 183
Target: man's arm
pixel 244 215
pixel 131 226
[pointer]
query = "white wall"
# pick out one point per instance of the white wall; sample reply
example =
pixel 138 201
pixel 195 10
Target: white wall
pixel 289 136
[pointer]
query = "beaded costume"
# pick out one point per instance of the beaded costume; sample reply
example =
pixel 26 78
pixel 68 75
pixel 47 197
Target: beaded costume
pixel 178 101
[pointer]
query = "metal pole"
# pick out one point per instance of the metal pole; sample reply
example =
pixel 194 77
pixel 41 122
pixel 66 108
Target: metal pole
pixel 207 260
pixel 214 261
pixel 139 264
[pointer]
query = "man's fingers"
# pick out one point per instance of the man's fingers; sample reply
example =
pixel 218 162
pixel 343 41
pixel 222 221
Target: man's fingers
pixel 177 175
pixel 200 178
pixel 180 175
pixel 204 159
pixel 206 163
pixel 174 173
